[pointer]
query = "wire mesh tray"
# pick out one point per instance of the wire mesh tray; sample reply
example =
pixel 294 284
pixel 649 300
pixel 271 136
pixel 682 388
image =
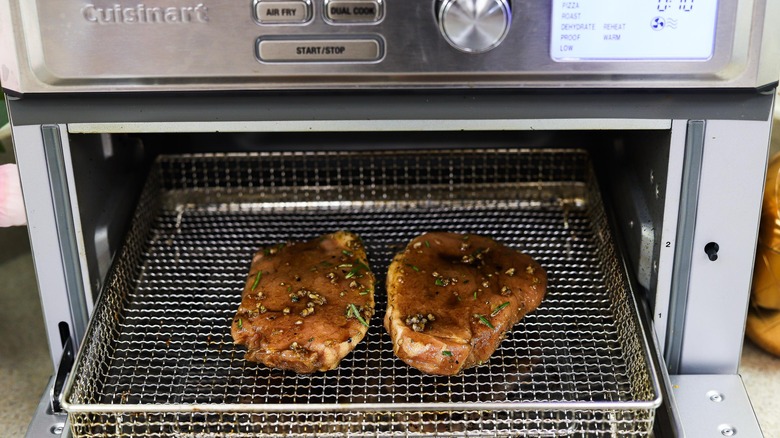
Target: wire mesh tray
pixel 158 358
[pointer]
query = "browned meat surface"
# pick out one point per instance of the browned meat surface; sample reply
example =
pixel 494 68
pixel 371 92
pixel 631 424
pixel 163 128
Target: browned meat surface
pixel 451 298
pixel 306 305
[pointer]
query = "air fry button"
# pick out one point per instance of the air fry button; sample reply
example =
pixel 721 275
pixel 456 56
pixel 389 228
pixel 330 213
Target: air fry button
pixel 319 50
pixel 353 11
pixel 282 12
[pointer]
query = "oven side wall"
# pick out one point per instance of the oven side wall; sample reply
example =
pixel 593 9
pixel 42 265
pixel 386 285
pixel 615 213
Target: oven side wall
pixel 52 235
pixel 733 170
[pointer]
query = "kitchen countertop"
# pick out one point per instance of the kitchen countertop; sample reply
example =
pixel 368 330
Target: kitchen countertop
pixel 25 365
pixel 761 374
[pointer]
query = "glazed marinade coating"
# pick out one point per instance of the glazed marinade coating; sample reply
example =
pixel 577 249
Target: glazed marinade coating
pixel 306 305
pixel 451 298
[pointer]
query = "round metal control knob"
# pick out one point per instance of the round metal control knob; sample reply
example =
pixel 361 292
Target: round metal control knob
pixel 474 26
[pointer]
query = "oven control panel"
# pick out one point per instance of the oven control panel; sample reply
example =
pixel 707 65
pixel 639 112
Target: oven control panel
pixel 321 48
pixel 110 45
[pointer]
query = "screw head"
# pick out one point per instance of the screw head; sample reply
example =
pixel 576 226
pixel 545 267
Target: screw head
pixel 727 430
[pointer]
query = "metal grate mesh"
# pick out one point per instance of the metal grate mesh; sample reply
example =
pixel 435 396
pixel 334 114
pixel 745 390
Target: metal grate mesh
pixel 159 344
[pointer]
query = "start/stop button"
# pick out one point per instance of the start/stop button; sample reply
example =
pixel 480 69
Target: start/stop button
pixel 354 11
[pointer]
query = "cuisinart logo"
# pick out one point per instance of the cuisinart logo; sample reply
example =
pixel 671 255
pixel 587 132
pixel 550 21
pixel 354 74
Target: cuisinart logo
pixel 141 13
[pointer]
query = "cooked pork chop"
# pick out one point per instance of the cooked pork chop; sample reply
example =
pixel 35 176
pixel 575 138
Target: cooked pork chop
pixel 306 305
pixel 451 298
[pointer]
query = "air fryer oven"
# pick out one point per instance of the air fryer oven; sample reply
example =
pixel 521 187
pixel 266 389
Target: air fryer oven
pixel 152 173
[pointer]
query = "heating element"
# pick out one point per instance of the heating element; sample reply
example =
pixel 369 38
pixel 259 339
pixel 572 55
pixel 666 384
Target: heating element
pixel 158 358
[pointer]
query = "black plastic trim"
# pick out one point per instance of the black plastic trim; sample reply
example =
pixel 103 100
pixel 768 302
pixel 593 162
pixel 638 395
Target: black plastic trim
pixel 395 105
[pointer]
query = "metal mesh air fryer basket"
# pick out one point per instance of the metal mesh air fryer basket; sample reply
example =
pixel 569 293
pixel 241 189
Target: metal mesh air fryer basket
pixel 158 359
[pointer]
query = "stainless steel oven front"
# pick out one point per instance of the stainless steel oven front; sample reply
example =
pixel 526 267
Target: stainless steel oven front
pixel 622 144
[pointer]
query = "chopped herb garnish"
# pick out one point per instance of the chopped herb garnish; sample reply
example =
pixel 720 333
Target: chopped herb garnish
pixel 416 269
pixel 365 292
pixel 356 270
pixel 475 294
pixel 484 320
pixel 257 280
pixel 240 323
pixel 295 298
pixel 439 282
pixel 345 265
pixel 446 353
pixel 427 244
pixel 289 288
pixel 498 309
pixel 356 313
pixel 347 253
pixel 458 297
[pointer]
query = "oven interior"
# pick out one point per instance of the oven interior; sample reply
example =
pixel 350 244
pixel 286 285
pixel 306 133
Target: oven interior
pixel 163 271
pixel 630 166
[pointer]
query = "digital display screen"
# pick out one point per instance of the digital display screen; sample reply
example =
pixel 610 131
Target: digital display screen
pixel 609 30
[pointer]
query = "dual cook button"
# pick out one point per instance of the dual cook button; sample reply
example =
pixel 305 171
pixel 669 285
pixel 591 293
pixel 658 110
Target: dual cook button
pixel 336 11
pixel 353 11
